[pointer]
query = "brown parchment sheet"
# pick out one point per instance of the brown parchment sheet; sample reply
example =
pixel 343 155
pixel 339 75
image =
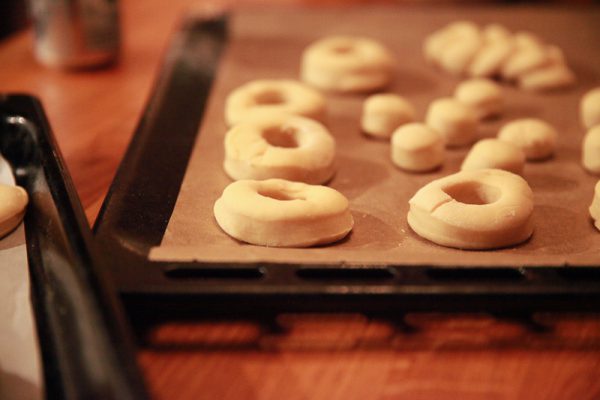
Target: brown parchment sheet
pixel 268 44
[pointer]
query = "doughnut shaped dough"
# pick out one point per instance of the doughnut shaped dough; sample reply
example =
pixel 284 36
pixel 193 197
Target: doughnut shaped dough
pixel 13 201
pixel 480 209
pixel 280 213
pixel 590 157
pixel 383 113
pixel 416 147
pixel 590 108
pixel 535 137
pixel 482 95
pixel 280 146
pixel 595 206
pixel 496 154
pixel 347 64
pixel 281 96
pixel 456 122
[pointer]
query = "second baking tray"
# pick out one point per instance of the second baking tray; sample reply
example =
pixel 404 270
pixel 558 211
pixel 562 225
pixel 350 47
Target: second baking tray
pixel 137 210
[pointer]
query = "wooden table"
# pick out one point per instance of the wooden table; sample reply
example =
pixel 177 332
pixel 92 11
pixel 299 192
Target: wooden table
pixel 94 113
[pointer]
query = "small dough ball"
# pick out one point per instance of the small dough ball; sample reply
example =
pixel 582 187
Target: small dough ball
pixel 490 58
pixel 535 137
pixel 493 32
pixel 416 147
pixel 482 95
pixel 280 146
pixel 383 113
pixel 347 64
pixel 479 209
pixel 456 122
pixel 282 96
pixel 591 150
pixel 550 77
pixel 437 42
pixel 523 60
pixel 13 201
pixel 281 213
pixel 595 206
pixel 494 153
pixel 456 57
pixel 590 108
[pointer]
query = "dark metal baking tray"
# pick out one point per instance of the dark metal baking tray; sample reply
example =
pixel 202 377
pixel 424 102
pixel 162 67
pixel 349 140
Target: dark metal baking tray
pixel 137 209
pixel 84 341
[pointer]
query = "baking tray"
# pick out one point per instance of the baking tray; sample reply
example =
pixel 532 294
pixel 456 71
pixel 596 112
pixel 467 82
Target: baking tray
pixel 142 196
pixel 84 341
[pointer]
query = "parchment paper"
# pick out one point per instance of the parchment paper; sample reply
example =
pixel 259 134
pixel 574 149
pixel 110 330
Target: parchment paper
pixel 268 44
pixel 20 368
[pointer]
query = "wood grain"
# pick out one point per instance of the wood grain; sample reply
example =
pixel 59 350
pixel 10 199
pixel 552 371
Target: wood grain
pixel 94 113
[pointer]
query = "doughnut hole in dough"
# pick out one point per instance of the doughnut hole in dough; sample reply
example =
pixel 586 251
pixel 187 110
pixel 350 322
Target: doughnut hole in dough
pixel 535 137
pixel 280 146
pixel 417 148
pixel 347 64
pixel 13 201
pixel 456 122
pixel 383 113
pixel 482 95
pixel 595 206
pixel 480 209
pixel 281 213
pixel 495 154
pixel 590 108
pixel 274 96
pixel 590 157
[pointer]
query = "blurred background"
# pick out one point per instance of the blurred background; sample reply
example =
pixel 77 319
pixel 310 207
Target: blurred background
pixel 14 14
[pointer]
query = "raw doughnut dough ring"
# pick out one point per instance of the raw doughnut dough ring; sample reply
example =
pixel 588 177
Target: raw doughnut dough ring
pixel 280 213
pixel 595 206
pixel 273 96
pixel 347 64
pixel 13 201
pixel 280 146
pixel 480 209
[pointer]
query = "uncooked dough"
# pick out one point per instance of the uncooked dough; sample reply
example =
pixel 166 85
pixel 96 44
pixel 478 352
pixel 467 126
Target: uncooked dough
pixel 281 96
pixel 347 64
pixel 494 153
pixel 456 122
pixel 480 209
pixel 590 108
pixel 535 137
pixel 280 146
pixel 590 157
pixel 482 95
pixel 13 201
pixel 383 113
pixel 280 213
pixel 416 147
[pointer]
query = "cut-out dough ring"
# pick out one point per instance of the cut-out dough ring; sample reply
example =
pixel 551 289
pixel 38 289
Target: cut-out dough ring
pixel 280 146
pixel 273 96
pixel 347 64
pixel 281 213
pixel 481 209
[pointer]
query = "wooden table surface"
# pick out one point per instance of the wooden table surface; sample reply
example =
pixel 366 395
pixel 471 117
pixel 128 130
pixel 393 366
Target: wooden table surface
pixel 93 115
